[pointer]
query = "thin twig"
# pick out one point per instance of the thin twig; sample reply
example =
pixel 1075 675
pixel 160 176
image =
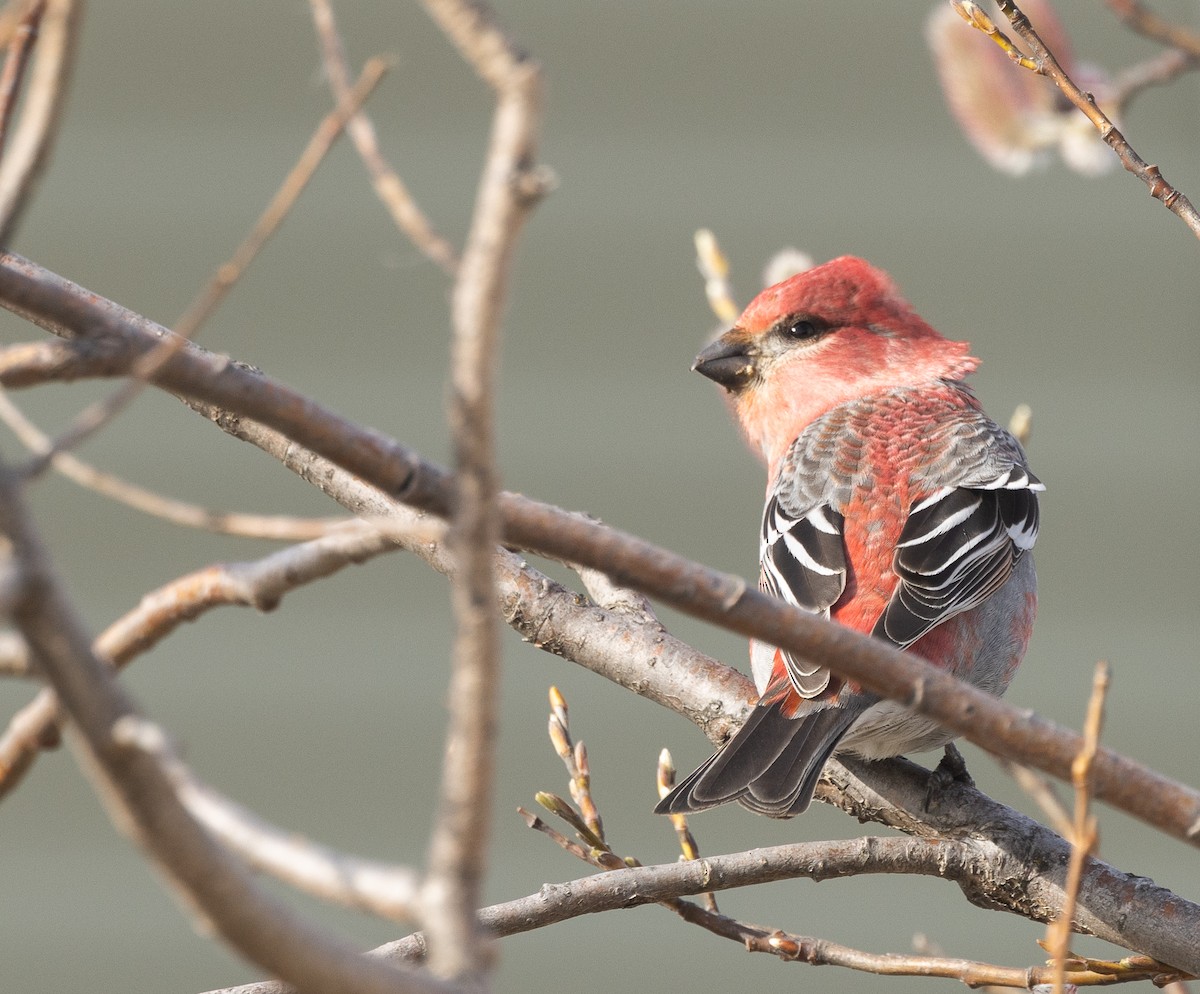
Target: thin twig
pixel 340 878
pixel 588 825
pixel 574 757
pixel 33 140
pixel 606 594
pixel 639 656
pixel 15 60
pixel 1043 62
pixel 665 781
pixel 14 655
pixel 555 836
pixel 260 585
pixel 27 364
pixel 1043 794
pixel 285 197
pixel 819 861
pixel 923 945
pixel 12 15
pixel 820 952
pixel 1083 830
pixel 1163 68
pixel 1148 24
pixel 507 193
pixel 794 948
pixel 277 527
pixel 597 847
pixel 547 614
pixel 389 187
pixel 94 417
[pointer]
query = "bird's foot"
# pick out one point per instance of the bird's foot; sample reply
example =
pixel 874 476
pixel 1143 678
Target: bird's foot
pixel 951 770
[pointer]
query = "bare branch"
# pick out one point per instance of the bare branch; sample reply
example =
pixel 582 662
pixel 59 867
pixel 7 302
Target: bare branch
pixel 997 877
pixel 279 527
pixel 29 364
pixel 388 185
pixel 322 140
pixel 680 678
pixel 1044 63
pixel 1043 794
pixel 638 886
pixel 1084 833
pixel 616 645
pixel 364 884
pixel 639 656
pixel 1148 24
pixel 809 950
pixel 1158 71
pixel 15 60
pixel 144 802
pixel 457 854
pixel 258 584
pixel 94 417
pixel 33 140
pixel 895 794
pixel 14 655
pixel 379 888
pixel 821 952
pixel 1174 808
pixel 12 15
pixel 606 594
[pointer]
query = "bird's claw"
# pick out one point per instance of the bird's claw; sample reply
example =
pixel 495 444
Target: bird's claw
pixel 952 769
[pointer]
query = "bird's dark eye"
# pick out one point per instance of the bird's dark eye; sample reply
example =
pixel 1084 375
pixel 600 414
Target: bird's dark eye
pixel 799 329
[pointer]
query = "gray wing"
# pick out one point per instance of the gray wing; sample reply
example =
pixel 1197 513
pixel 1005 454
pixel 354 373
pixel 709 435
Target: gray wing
pixel 957 548
pixel 803 560
pixel 958 545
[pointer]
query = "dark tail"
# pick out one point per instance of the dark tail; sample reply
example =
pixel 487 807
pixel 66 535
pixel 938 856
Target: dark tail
pixel 771 765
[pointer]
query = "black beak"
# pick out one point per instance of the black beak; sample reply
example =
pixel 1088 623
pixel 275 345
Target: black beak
pixel 727 363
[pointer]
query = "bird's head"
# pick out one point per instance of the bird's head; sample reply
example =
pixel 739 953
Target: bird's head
pixel 834 333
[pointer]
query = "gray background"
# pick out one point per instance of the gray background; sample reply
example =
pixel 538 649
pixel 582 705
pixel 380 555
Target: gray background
pixel 816 125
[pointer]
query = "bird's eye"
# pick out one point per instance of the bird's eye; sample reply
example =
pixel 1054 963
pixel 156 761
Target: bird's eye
pixel 799 329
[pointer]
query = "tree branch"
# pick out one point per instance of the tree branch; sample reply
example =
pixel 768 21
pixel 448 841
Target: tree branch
pixel 29 364
pixel 33 141
pixel 16 59
pixel 719 598
pixel 381 889
pixel 636 653
pixel 1145 22
pixel 143 800
pixel 638 886
pixel 260 585
pixel 1044 63
pixel 279 527
pixel 458 846
pixel 95 416
pixel 388 185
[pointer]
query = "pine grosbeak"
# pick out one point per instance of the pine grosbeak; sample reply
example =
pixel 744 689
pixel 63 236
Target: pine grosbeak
pixel 895 506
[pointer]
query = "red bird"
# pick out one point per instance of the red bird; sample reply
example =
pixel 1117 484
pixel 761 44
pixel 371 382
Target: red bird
pixel 895 507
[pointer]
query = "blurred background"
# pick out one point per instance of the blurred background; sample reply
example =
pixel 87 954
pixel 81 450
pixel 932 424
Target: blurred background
pixel 819 126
